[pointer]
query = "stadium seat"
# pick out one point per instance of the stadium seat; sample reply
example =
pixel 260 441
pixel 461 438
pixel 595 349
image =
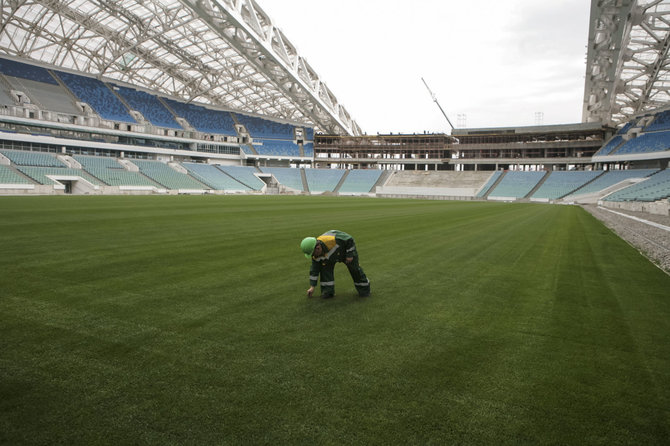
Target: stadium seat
pixel 204 119
pixel 517 184
pixel 265 128
pixel 645 143
pixel 150 107
pixel 214 177
pixel 8 176
pixel 661 122
pixel 561 183
pixel 323 180
pixel 611 146
pixel 166 176
pixel 286 176
pixel 36 159
pixel 656 187
pixel 360 181
pixel 611 178
pixel 276 148
pixel 26 71
pixel 489 183
pixel 245 175
pixel 96 94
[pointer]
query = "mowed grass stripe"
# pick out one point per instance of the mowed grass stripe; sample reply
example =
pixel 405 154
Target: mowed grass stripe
pixel 182 320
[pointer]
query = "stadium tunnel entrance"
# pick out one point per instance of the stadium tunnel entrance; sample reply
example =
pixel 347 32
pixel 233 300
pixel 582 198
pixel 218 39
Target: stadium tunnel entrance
pixel 72 185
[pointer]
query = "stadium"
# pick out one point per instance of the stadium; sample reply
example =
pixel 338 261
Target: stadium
pixel 160 161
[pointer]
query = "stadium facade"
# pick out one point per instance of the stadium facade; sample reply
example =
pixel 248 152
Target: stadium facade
pixel 113 106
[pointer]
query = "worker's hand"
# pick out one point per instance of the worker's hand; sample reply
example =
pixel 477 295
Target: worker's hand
pixel 349 259
pixel 310 291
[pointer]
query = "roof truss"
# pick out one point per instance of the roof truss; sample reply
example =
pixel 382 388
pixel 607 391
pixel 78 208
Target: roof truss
pixel 627 70
pixel 226 53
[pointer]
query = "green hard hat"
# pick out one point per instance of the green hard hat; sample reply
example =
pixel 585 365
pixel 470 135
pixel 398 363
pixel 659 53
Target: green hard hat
pixel 307 246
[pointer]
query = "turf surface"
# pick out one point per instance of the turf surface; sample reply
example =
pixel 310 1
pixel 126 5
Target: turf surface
pixel 183 320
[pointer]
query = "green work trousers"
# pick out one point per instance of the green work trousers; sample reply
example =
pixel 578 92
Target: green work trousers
pixel 361 282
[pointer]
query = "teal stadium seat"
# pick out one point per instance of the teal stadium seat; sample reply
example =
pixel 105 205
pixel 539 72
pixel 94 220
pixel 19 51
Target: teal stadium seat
pixel 610 178
pixel 286 176
pixel 214 177
pixel 517 184
pixel 360 181
pixel 8 176
pixel 245 175
pixel 323 180
pixel 36 159
pixel 561 183
pixel 489 183
pixel 656 187
pixel 166 176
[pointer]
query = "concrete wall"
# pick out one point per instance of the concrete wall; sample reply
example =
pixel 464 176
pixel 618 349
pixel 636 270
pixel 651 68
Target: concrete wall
pixel 661 207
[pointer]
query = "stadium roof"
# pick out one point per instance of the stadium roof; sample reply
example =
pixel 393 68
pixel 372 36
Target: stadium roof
pixel 227 53
pixel 628 71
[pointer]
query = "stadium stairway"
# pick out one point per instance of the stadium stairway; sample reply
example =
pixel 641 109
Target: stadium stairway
pixel 71 162
pixel 19 173
pixel 576 191
pixel 538 185
pixel 253 149
pixel 65 89
pixel 303 176
pixel 383 178
pixel 237 179
pixel 339 185
pixel 494 185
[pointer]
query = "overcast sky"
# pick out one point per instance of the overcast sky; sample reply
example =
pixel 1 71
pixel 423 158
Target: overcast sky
pixel 495 63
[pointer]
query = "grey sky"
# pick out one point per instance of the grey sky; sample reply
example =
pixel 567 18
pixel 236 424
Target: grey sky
pixel 496 62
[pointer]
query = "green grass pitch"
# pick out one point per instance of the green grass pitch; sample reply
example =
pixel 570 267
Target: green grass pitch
pixel 183 321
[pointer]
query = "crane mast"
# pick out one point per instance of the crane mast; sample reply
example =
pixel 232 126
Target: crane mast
pixel 432 95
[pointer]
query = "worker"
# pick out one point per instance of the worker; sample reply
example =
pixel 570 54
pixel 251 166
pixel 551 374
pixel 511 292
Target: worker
pixel 325 251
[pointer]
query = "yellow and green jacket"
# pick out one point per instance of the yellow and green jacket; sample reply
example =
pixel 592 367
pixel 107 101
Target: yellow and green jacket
pixel 337 246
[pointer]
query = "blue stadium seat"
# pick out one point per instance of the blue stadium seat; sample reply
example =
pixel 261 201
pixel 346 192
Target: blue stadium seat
pixel 661 122
pixel 203 119
pixel 308 149
pixel 611 145
pixel 277 148
pixel 96 94
pixel 645 143
pixel 25 71
pixel 264 128
pixel 150 107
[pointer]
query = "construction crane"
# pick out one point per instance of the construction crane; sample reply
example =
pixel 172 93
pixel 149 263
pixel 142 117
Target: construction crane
pixel 432 95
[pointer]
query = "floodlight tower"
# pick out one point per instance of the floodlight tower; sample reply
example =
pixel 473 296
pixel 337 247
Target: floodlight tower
pixel 432 95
